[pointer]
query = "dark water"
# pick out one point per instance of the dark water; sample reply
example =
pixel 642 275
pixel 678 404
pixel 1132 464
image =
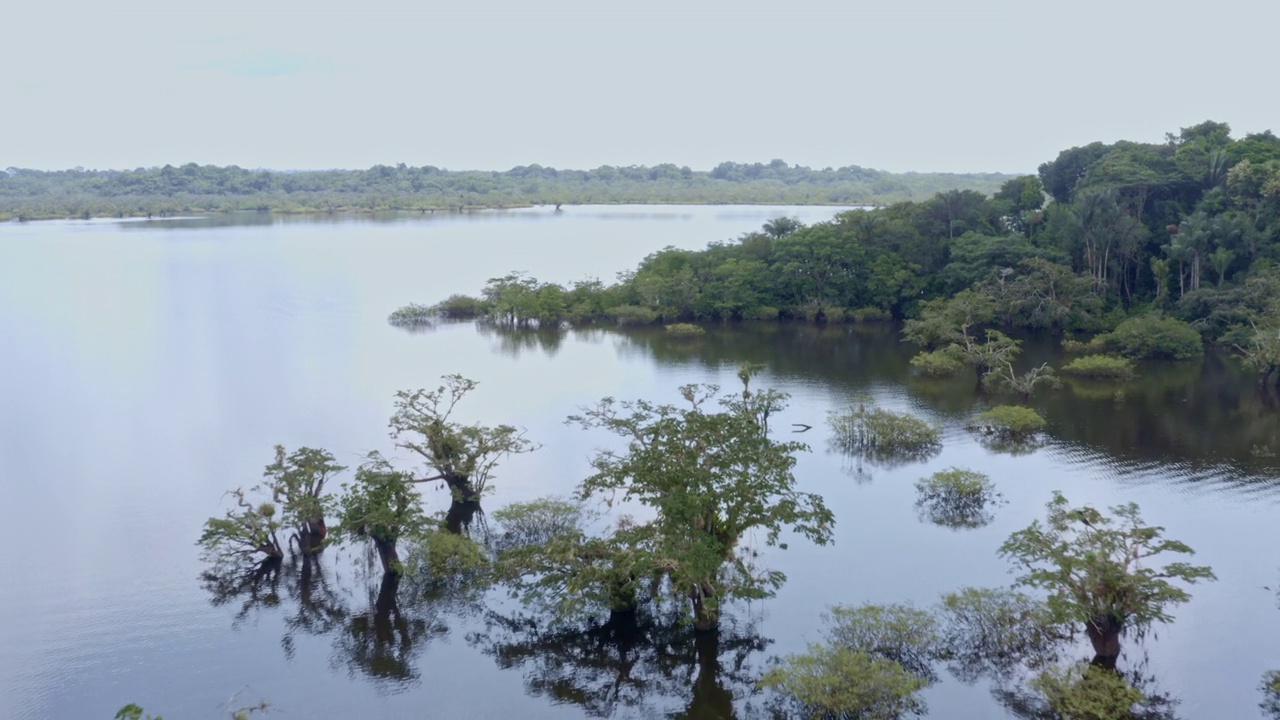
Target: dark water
pixel 148 367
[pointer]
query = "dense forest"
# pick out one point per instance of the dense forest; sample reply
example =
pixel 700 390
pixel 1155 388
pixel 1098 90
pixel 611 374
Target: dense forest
pixel 1162 244
pixel 191 188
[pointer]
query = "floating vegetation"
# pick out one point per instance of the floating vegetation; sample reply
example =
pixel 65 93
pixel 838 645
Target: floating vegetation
pixel 956 498
pixel 884 435
pixel 684 330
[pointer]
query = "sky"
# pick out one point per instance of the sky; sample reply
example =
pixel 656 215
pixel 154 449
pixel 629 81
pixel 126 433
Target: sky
pixel 900 85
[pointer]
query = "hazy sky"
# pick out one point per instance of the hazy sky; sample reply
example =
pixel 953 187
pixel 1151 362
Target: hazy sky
pixel 950 85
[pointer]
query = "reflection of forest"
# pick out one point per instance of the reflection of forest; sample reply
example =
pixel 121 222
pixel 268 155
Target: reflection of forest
pixel 1189 417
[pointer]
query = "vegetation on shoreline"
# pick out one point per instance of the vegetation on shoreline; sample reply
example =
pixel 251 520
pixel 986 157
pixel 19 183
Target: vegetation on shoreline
pixel 187 189
pixel 1152 248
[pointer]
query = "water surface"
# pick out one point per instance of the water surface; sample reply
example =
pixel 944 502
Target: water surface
pixel 149 367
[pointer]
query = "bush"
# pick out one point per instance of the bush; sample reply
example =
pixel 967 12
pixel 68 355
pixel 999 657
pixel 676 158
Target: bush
pixel 1009 421
pixel 994 631
pixel 460 307
pixel 940 363
pixel 412 314
pixel 1153 337
pixel 632 315
pixel 764 312
pixel 841 682
pixel 684 330
pixel 1087 692
pixel 870 315
pixel 833 314
pixel 879 431
pixel 1100 367
pixel 956 498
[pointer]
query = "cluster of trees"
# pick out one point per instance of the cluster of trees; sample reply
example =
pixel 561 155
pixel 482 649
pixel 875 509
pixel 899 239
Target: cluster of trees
pixel 702 476
pixel 1185 233
pixel 168 190
pixel 1099 575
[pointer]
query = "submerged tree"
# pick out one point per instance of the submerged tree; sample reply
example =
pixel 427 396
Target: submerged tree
pixel 1098 572
pixel 382 505
pixel 463 456
pixel 711 477
pixel 296 485
pixel 873 664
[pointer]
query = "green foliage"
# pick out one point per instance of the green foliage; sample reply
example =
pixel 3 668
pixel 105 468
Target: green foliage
pixel 1087 692
pixel 956 498
pixel 684 330
pixel 879 433
pixel 1003 377
pixel 1270 693
pixel 1100 367
pixel 761 312
pixel 1098 569
pixel 867 315
pixel 995 631
pixel 463 456
pixel 947 362
pixel 189 188
pixel 458 307
pixel 901 633
pixel 710 477
pixel 382 505
pixel 1153 337
pixel 632 315
pixel 537 522
pixel 413 314
pixel 133 712
pixel 845 683
pixel 1009 421
pixel 297 482
pixel 243 532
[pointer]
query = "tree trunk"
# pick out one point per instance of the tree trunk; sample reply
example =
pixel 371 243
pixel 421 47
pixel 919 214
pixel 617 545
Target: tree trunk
pixel 461 488
pixel 388 555
pixel 1104 633
pixel 461 513
pixel 706 613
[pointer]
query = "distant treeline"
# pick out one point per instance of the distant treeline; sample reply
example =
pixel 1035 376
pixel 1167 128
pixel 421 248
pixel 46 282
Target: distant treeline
pixel 191 188
pixel 1188 228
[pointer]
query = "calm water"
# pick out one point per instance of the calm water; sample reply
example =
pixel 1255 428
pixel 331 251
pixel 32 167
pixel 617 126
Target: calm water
pixel 149 367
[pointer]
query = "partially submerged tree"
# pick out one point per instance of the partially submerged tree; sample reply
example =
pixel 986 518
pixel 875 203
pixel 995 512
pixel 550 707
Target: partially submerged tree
pixel 248 531
pixel 711 477
pixel 382 505
pixel 956 498
pixel 883 435
pixel 1099 573
pixel 463 456
pixel 296 487
pixel 297 483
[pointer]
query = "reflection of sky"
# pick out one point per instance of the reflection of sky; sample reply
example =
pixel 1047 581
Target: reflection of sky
pixel 144 373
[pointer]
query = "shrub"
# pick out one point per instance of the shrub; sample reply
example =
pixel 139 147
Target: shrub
pixel 1087 692
pixel 460 307
pixel 632 315
pixel 940 363
pixel 834 314
pixel 875 430
pixel 870 315
pixel 993 631
pixel 1153 337
pixel 684 330
pixel 1100 367
pixel 412 314
pixel 841 682
pixel 956 498
pixel 1009 421
pixel 763 312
